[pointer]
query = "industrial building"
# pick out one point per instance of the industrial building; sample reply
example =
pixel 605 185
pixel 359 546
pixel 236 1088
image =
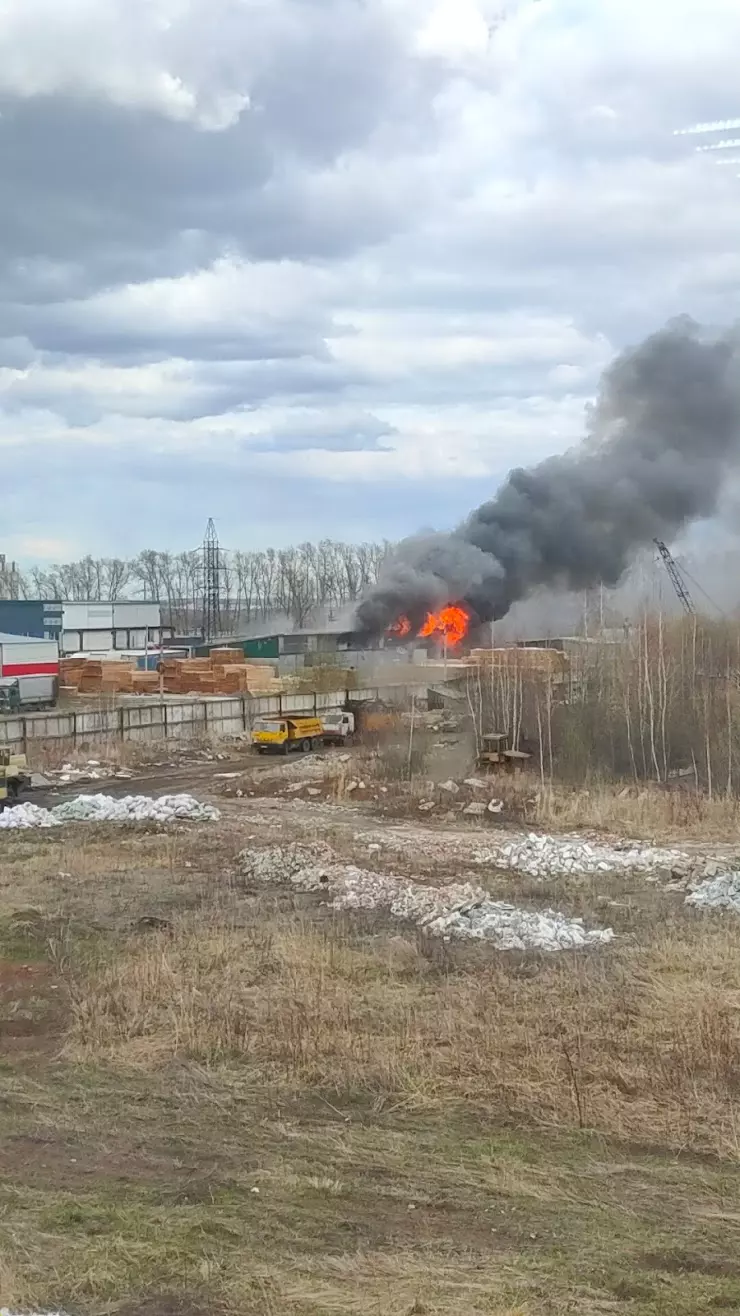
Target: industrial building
pixel 86 627
pixel 98 627
pixel 295 643
pixel 35 618
pixel 292 651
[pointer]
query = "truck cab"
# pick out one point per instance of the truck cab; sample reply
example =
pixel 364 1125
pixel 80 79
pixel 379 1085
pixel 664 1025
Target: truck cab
pixel 280 734
pixel 10 694
pixel 339 727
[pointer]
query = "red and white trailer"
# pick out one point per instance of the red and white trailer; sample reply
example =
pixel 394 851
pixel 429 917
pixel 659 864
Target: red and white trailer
pixel 32 664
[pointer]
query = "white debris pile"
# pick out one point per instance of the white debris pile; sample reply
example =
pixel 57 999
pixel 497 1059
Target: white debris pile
pixel 286 863
pixel 457 910
pixel 103 808
pixel 463 910
pixel 721 892
pixel 93 770
pixel 27 815
pixel 135 808
pixel 551 856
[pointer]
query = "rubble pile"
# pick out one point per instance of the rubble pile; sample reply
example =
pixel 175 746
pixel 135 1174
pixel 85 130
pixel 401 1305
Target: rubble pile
pixel 93 770
pixel 553 856
pixel 134 808
pixel 456 910
pixel 27 815
pixel 283 863
pixel 721 892
pixel 4 1311
pixel 103 808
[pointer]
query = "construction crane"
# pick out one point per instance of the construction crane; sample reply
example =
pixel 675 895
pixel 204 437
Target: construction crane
pixel 677 580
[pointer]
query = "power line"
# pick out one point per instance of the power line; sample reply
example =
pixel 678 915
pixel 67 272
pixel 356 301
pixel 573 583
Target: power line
pixel 702 590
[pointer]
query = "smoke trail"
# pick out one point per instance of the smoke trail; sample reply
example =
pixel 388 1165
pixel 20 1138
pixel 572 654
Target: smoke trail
pixel 663 433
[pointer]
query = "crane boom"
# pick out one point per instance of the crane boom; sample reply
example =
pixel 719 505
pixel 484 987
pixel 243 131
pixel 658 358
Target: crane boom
pixel 677 580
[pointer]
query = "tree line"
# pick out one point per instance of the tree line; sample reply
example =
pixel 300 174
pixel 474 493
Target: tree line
pixel 662 704
pixel 297 582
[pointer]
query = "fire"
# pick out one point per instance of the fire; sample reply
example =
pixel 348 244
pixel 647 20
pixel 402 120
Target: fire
pixel 450 623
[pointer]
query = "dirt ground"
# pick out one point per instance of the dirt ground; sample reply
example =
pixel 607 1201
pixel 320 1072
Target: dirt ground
pixel 219 1097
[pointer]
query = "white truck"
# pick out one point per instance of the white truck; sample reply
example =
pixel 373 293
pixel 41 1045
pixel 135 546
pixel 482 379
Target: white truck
pixel 29 673
pixel 338 727
pixel 28 694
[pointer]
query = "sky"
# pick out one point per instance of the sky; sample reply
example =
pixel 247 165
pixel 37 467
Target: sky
pixel 329 268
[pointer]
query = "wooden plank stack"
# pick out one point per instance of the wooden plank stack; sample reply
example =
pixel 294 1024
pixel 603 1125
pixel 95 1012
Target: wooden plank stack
pixel 97 676
pixel 225 672
pixel 515 659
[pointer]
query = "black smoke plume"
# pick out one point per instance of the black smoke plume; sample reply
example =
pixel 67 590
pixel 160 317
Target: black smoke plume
pixel 662 436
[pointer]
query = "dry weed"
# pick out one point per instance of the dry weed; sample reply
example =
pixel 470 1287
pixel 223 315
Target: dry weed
pixel 14 1293
pixel 642 1044
pixel 623 810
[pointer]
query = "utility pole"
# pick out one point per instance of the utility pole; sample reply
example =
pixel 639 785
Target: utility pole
pixel 211 583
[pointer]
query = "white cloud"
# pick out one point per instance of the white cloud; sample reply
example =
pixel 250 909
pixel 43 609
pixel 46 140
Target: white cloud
pixel 133 54
pixel 454 28
pixel 399 343
pixel 418 230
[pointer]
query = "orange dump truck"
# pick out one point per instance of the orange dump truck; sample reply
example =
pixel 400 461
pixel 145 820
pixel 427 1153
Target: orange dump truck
pixel 284 732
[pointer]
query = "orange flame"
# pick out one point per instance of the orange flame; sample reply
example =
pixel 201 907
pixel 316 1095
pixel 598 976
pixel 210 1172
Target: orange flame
pixel 451 623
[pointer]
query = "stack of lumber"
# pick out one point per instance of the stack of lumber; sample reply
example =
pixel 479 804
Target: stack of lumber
pixel 70 673
pixel 225 672
pixel 540 662
pixel 96 676
pixel 145 683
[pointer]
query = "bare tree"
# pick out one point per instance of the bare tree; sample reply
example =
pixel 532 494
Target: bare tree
pixel 295 581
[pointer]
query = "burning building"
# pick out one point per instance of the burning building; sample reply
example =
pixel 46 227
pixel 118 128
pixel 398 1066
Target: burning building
pixel 662 435
pixel 449 627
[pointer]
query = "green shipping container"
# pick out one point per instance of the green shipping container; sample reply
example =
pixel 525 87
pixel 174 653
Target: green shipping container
pixel 267 646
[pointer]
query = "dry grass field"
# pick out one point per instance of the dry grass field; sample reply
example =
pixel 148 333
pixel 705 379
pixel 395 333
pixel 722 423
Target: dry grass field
pixel 219 1098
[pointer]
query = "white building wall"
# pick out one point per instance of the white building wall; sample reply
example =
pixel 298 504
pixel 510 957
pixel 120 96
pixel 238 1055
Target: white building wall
pixel 138 615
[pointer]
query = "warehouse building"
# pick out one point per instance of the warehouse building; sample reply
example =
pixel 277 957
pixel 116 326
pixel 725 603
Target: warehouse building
pixel 86 627
pixel 35 618
pixel 294 650
pixel 99 627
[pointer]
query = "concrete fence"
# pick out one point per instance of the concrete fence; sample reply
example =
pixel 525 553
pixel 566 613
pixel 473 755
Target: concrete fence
pixel 144 718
